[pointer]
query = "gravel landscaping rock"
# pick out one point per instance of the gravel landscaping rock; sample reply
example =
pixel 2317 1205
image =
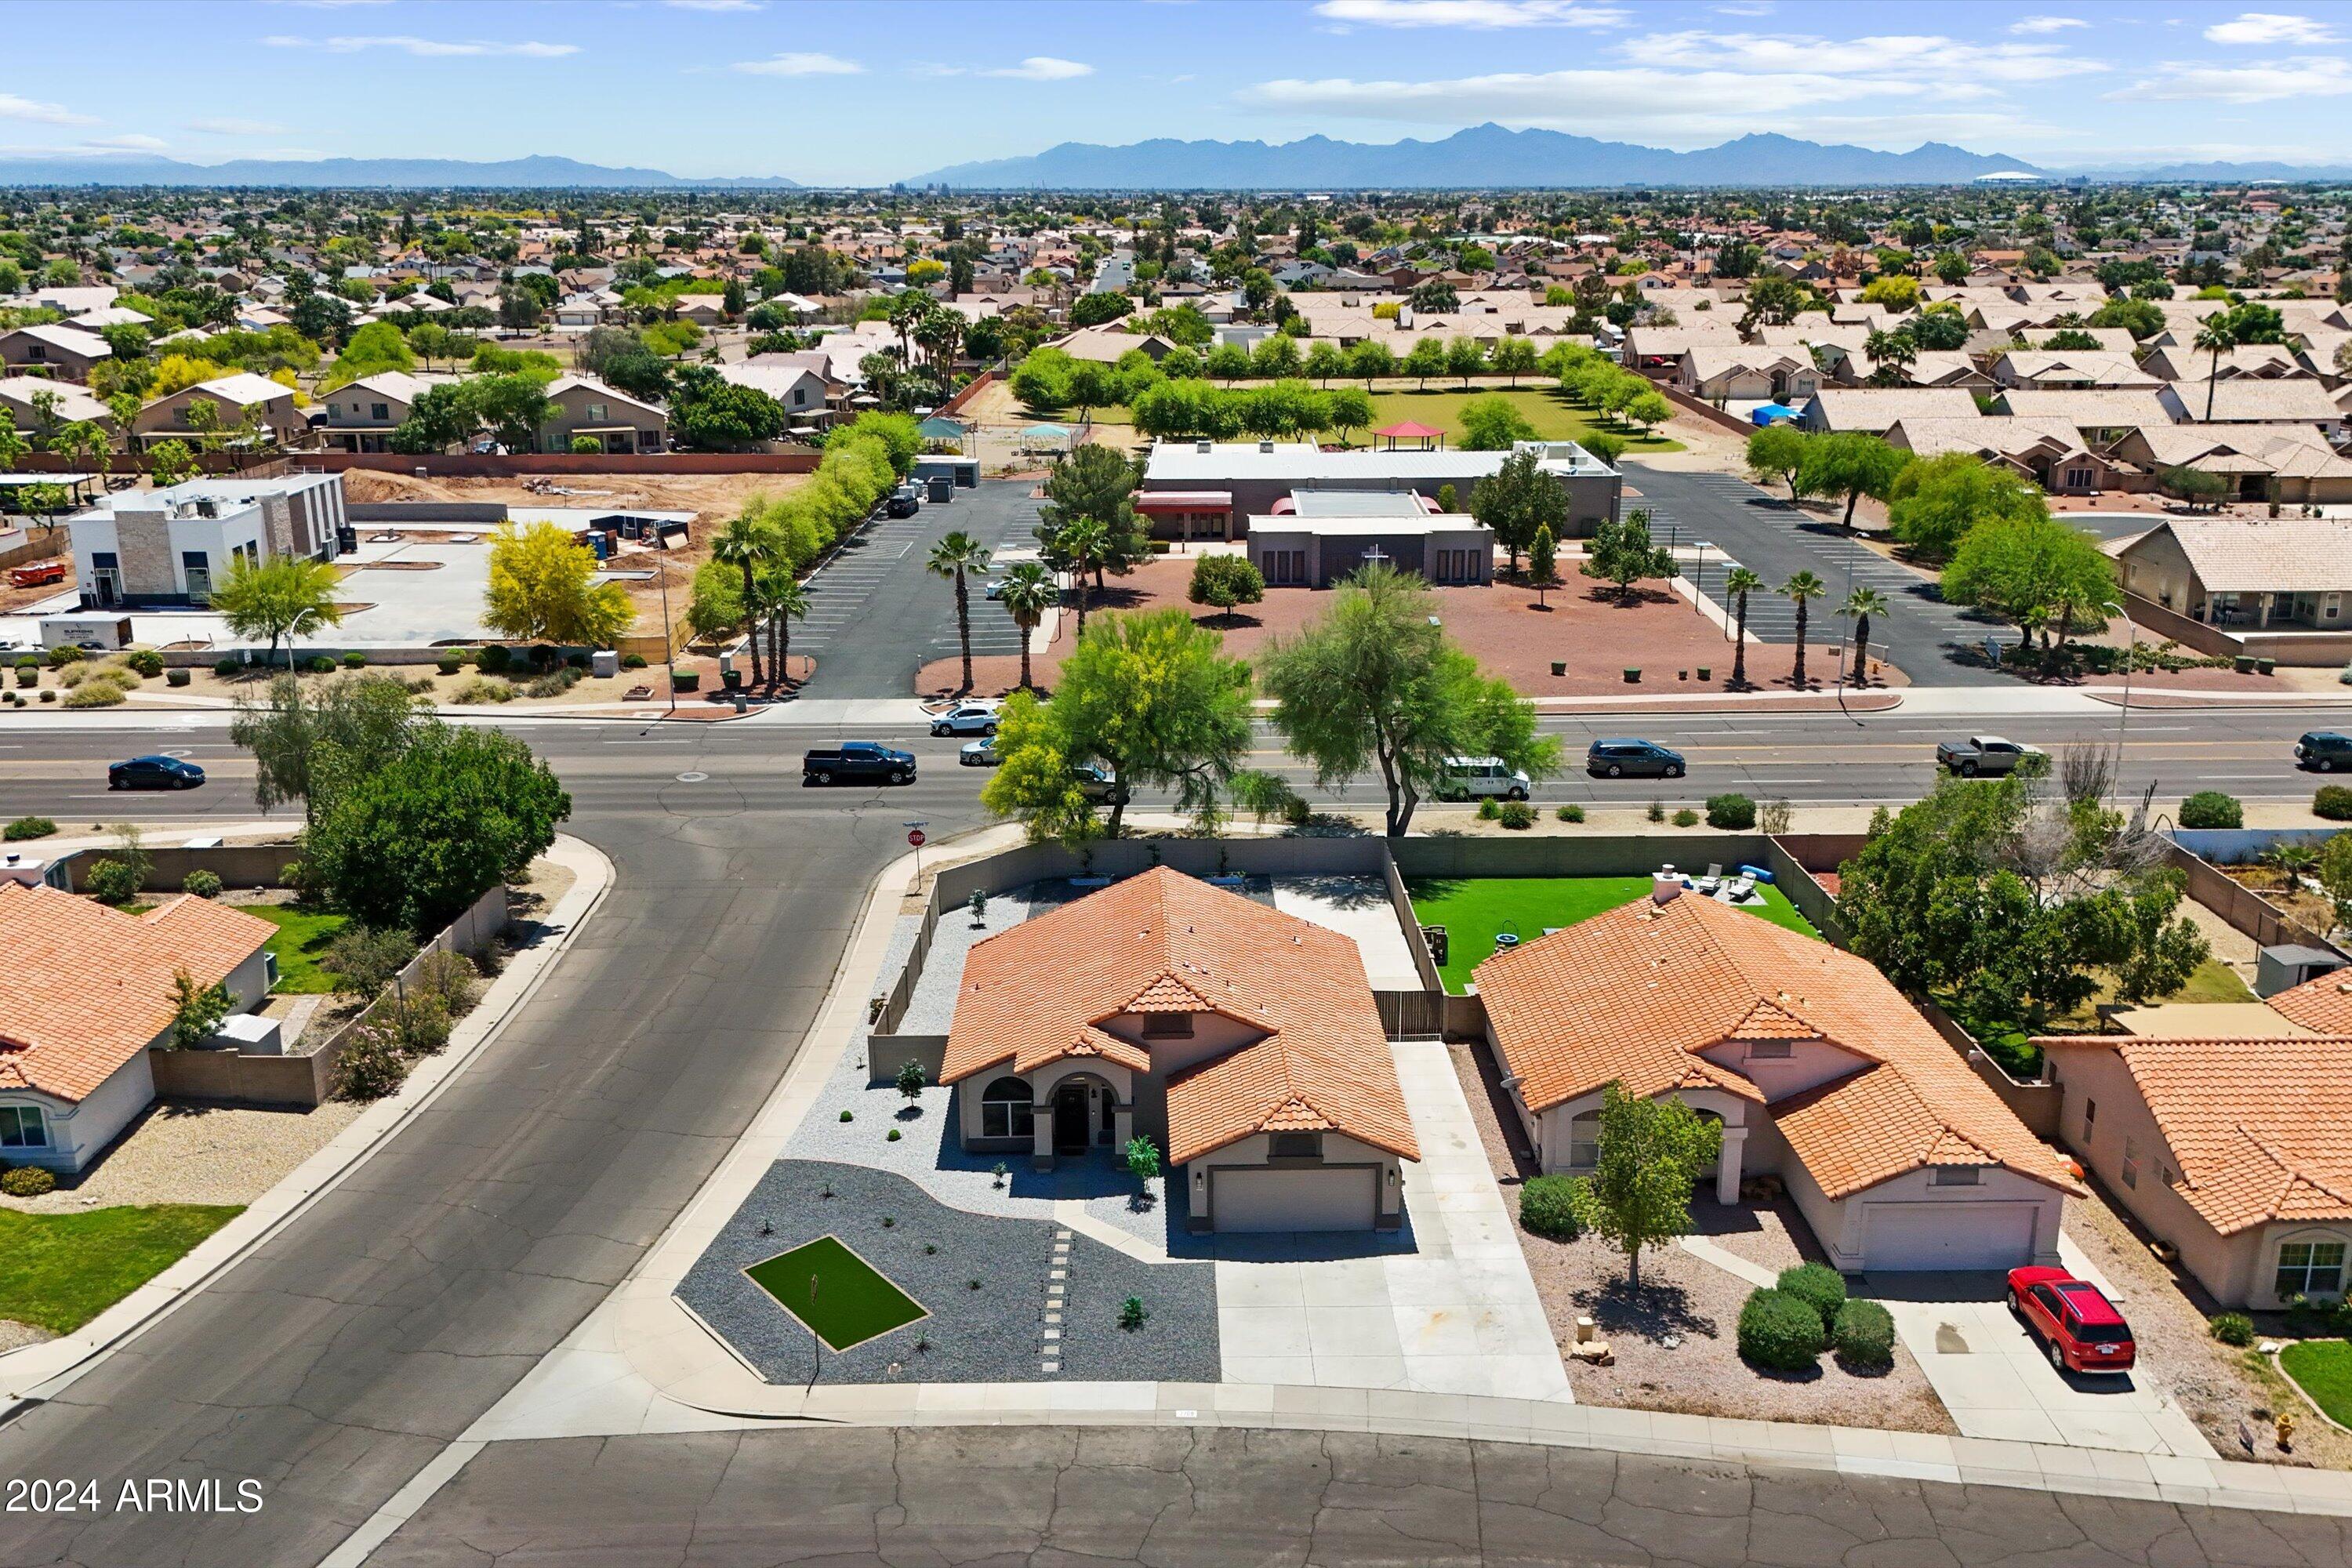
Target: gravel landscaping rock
pixel 993 1334
pixel 178 1153
pixel 16 1336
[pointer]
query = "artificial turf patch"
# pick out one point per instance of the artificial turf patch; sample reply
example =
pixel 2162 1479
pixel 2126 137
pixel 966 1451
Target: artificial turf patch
pixel 845 1300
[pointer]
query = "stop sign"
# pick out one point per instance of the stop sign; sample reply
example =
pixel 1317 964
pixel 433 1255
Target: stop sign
pixel 915 836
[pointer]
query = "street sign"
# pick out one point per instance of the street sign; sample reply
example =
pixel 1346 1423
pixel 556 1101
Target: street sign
pixel 915 836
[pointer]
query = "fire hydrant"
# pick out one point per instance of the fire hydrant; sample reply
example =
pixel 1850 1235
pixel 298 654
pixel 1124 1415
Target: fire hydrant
pixel 2285 1425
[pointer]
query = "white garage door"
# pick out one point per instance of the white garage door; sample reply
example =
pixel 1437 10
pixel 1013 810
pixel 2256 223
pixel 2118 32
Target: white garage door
pixel 1242 1200
pixel 1947 1236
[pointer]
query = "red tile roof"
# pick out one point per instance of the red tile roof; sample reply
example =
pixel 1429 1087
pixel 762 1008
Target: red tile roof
pixel 85 988
pixel 1632 996
pixel 2324 1005
pixel 1163 941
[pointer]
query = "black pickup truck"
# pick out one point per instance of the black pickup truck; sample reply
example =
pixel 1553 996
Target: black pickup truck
pixel 857 760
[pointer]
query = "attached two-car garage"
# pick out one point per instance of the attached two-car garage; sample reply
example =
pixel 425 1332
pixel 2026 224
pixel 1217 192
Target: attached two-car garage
pixel 1947 1236
pixel 1247 1198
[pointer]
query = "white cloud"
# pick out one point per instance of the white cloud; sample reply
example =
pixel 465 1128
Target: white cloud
pixel 1476 14
pixel 801 64
pixel 714 5
pixel 1745 8
pixel 1043 68
pixel 2185 81
pixel 2046 23
pixel 1695 106
pixel 129 142
pixel 350 44
pixel 230 126
pixel 2269 27
pixel 15 108
pixel 1943 63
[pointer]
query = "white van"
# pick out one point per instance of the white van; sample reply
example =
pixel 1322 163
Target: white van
pixel 1464 778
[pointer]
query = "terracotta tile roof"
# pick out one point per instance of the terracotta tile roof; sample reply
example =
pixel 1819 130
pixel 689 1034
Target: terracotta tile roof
pixel 1634 995
pixel 85 988
pixel 1163 941
pixel 2323 1004
pixel 2261 1129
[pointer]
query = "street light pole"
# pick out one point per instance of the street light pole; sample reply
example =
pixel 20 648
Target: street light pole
pixel 2123 713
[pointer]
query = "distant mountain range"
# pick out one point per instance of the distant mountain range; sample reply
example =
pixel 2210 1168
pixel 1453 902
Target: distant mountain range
pixel 401 174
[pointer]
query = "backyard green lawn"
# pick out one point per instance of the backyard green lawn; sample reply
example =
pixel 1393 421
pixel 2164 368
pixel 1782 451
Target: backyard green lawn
pixel 1555 415
pixel 1474 909
pixel 835 1292
pixel 2324 1367
pixel 58 1271
pixel 300 945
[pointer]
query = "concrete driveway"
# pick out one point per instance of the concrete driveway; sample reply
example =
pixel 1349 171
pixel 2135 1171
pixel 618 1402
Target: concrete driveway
pixel 1992 1374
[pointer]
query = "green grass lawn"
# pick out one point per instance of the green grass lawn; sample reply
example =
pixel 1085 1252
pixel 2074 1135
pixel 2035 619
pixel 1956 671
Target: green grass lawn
pixel 59 1270
pixel 2324 1367
pixel 1555 415
pixel 851 1302
pixel 1474 909
pixel 300 945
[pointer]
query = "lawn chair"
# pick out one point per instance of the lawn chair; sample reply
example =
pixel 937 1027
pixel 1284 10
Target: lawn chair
pixel 1740 889
pixel 1712 880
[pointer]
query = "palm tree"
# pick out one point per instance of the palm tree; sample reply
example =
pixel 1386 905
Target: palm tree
pixel 1740 582
pixel 2216 337
pixel 1799 590
pixel 1029 591
pixel 1862 603
pixel 1083 542
pixel 748 542
pixel 782 600
pixel 954 557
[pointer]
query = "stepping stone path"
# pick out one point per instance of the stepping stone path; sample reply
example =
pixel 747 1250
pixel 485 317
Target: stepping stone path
pixel 1058 1279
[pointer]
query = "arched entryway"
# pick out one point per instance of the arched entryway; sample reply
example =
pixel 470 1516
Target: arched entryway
pixel 1084 1110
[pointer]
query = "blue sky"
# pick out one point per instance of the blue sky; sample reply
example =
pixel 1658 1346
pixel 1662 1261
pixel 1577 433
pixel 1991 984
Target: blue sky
pixel 868 92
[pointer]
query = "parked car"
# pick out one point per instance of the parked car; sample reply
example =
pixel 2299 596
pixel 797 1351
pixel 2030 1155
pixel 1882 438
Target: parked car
pixel 966 718
pixel 1095 781
pixel 1987 754
pixel 1631 759
pixel 2079 1327
pixel 1464 777
pixel 853 760
pixel 154 772
pixel 980 753
pixel 905 501
pixel 995 584
pixel 2323 751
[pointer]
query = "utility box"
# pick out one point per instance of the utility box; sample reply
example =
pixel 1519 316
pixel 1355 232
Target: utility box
pixel 603 661
pixel 249 1034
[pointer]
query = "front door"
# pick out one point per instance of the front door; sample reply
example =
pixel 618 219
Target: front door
pixel 1070 1132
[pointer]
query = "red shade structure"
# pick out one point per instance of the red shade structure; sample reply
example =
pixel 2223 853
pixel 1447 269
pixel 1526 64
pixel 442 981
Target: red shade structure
pixel 1407 430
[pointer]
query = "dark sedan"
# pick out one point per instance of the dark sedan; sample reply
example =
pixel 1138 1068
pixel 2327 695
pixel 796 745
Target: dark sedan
pixel 154 773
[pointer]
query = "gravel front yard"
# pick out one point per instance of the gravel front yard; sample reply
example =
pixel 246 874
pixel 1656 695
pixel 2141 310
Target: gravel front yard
pixel 179 1153
pixel 1694 1301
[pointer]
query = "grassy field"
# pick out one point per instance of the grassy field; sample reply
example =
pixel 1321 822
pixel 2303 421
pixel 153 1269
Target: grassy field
pixel 300 945
pixel 58 1271
pixel 1474 910
pixel 835 1292
pixel 2324 1367
pixel 1555 415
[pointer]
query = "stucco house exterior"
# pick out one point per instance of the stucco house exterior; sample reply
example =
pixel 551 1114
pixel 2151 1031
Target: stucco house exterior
pixel 618 423
pixel 53 349
pixel 2247 573
pixel 87 991
pixel 361 414
pixel 235 399
pixel 1818 1068
pixel 1243 1041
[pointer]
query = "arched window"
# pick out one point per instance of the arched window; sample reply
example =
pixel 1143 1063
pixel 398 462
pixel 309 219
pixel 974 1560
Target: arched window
pixel 1006 1110
pixel 1584 1141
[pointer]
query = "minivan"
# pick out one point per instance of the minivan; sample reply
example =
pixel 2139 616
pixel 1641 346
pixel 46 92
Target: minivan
pixel 1630 758
pixel 1464 778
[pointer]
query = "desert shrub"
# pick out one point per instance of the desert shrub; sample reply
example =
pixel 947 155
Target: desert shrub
pixel 1298 811
pixel 2234 1329
pixel 1817 1285
pixel 113 881
pixel 421 1024
pixel 448 975
pixel 49 694
pixel 28 1182
pixel 1516 815
pixel 2212 808
pixel 25 828
pixel 1733 812
pixel 227 665
pixel 2333 802
pixel 1548 1206
pixel 495 659
pixel 1685 817
pixel 1489 809
pixel 633 662
pixel 449 663
pixel 1864 1336
pixel 1570 812
pixel 178 677
pixel 1780 1333
pixel 1656 811
pixel 354 660
pixel 479 689
pixel 320 664
pixel 367 957
pixel 28 675
pixel 72 676
pixel 146 661
pixel 203 884
pixel 65 654
pixel 370 1066
pixel 28 661
pixel 555 683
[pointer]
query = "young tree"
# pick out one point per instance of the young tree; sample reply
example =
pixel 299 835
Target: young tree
pixel 2031 571
pixel 956 556
pixel 1223 582
pixel 747 541
pixel 1862 603
pixel 197 1011
pixel 306 736
pixel 1543 561
pixel 281 599
pixel 1652 1153
pixel 1852 464
pixel 1800 591
pixel 1426 358
pixel 1622 552
pixel 1374 684
pixel 13 446
pixel 1649 408
pixel 540 590
pixel 1739 584
pixel 1516 499
pixel 169 462
pixel 1466 357
pixel 1778 451
pixel 1029 591
pixel 1372 358
pixel 1514 356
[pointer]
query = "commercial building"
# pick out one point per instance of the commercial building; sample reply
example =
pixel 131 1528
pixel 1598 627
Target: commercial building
pixel 172 546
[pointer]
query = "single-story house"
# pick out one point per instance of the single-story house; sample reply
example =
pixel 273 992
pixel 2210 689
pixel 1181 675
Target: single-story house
pixel 2047 451
pixel 2230 1149
pixel 2251 400
pixel 1816 1067
pixel 2290 463
pixel 2245 573
pixel 1242 1040
pixel 801 390
pixel 1872 409
pixel 88 992
pixel 2057 369
pixel 2266 361
pixel 578 405
pixel 26 396
pixel 1720 373
pixel 2100 415
pixel 66 352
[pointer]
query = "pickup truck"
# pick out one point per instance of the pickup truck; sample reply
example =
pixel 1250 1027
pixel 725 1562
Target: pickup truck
pixel 856 760
pixel 1987 754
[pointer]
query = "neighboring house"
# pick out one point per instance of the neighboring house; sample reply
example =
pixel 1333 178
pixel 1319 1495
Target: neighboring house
pixel 1872 409
pixel 2246 573
pixel 66 352
pixel 618 423
pixel 171 546
pixel 2233 1150
pixel 1816 1067
pixel 360 415
pixel 1243 1041
pixel 87 994
pixel 1718 374
pixel 1220 486
pixel 2288 463
pixel 800 389
pixel 1315 538
pixel 2251 400
pixel 25 396
pixel 702 310
pixel 2060 369
pixel 2268 362
pixel 2101 416
pixel 234 399
pixel 2047 451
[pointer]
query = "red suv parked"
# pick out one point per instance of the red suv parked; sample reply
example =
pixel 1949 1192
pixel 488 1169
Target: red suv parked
pixel 2075 1322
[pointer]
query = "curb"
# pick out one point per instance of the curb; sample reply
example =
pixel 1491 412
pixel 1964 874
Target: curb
pixel 38 1372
